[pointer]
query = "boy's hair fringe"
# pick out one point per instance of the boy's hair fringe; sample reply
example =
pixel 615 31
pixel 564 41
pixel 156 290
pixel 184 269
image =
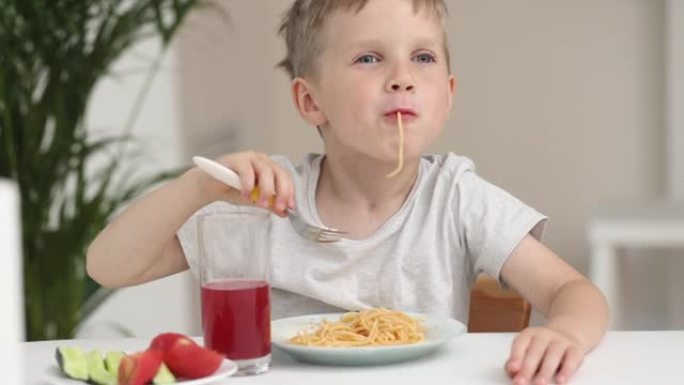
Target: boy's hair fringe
pixel 302 23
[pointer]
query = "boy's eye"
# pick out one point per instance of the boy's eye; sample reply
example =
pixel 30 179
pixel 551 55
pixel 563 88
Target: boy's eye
pixel 425 58
pixel 367 59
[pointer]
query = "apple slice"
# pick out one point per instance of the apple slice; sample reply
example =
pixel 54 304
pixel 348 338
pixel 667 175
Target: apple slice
pixel 139 368
pixel 188 360
pixel 163 342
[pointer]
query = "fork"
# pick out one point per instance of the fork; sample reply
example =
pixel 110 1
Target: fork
pixel 303 228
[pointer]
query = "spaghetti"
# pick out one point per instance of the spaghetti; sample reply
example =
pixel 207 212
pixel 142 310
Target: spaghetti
pixel 371 327
pixel 400 163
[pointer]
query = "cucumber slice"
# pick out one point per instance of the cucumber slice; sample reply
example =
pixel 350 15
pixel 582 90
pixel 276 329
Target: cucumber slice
pixel 97 372
pixel 73 362
pixel 163 376
pixel 112 360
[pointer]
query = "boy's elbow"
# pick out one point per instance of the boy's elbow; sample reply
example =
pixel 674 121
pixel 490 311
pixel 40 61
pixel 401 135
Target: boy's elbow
pixel 98 274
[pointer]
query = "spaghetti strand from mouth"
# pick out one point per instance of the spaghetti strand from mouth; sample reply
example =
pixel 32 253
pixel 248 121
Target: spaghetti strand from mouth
pixel 400 162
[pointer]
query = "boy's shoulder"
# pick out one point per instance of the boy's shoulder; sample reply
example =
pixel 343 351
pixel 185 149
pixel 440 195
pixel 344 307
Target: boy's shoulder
pixel 447 165
pixel 450 159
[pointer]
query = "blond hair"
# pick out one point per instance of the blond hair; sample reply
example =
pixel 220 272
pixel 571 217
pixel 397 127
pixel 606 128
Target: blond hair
pixel 303 21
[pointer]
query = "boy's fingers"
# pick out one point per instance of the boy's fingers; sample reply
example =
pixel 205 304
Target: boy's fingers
pixel 571 361
pixel 530 364
pixel 549 366
pixel 264 177
pixel 246 173
pixel 518 349
pixel 284 188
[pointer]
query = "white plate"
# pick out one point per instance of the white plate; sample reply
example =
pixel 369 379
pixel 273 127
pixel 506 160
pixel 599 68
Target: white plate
pixel 439 330
pixel 227 369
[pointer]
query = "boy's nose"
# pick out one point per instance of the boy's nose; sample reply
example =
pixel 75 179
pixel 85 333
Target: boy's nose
pixel 400 82
pixel 399 86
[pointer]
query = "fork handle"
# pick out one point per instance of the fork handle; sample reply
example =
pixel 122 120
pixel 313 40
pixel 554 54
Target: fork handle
pixel 218 171
pixel 227 176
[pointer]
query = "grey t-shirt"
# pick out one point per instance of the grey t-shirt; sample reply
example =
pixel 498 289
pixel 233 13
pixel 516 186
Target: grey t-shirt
pixel 453 226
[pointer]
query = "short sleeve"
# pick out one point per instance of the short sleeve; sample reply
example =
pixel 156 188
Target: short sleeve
pixel 492 223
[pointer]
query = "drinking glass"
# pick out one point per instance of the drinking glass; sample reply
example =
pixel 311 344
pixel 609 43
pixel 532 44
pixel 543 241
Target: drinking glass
pixel 234 270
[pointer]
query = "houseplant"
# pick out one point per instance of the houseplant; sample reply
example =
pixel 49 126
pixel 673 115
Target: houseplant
pixel 52 54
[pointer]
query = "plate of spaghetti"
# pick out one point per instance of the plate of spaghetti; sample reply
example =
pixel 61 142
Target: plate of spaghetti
pixel 368 337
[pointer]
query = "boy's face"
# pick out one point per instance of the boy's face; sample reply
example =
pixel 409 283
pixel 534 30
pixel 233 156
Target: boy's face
pixel 381 60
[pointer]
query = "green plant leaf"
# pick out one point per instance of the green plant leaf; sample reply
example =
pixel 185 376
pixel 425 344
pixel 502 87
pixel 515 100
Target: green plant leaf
pixel 52 55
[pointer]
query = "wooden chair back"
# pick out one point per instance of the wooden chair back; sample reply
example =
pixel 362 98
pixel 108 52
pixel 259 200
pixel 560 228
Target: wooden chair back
pixel 493 309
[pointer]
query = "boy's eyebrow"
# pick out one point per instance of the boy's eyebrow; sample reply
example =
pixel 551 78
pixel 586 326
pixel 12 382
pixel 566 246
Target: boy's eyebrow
pixel 429 43
pixel 363 44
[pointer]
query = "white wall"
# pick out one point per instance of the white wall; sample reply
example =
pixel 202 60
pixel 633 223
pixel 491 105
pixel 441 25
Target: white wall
pixel 164 305
pixel 229 83
pixel 555 96
pixel 562 103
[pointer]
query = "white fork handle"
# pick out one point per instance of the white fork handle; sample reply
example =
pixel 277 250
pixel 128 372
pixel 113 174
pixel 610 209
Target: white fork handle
pixel 218 171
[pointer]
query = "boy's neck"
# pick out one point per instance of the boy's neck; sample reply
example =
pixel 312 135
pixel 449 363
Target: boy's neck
pixel 355 194
pixel 360 183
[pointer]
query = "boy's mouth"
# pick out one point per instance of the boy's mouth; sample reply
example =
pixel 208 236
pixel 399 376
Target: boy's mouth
pixel 405 113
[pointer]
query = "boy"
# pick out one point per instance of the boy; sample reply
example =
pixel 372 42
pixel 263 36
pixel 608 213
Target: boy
pixel 416 240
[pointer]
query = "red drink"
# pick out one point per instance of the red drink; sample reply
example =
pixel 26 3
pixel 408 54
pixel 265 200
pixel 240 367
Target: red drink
pixel 236 317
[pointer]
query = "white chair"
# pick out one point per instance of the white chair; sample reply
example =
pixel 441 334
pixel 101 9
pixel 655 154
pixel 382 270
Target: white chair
pixel 646 225
pixel 11 303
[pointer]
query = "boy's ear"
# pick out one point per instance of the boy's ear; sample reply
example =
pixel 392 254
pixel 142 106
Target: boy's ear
pixel 306 104
pixel 452 89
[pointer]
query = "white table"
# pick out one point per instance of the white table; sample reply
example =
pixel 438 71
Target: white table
pixel 639 226
pixel 622 358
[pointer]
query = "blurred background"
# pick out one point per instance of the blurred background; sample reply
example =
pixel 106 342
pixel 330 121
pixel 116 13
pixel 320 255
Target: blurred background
pixel 572 106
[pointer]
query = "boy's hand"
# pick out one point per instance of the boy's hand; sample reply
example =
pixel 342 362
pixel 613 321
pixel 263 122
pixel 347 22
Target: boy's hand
pixel 264 183
pixel 540 354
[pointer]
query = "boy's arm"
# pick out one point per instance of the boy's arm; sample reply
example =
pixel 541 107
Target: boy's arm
pixel 140 245
pixel 576 310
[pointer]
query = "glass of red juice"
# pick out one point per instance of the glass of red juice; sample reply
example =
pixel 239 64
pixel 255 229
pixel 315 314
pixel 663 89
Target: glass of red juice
pixel 234 252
